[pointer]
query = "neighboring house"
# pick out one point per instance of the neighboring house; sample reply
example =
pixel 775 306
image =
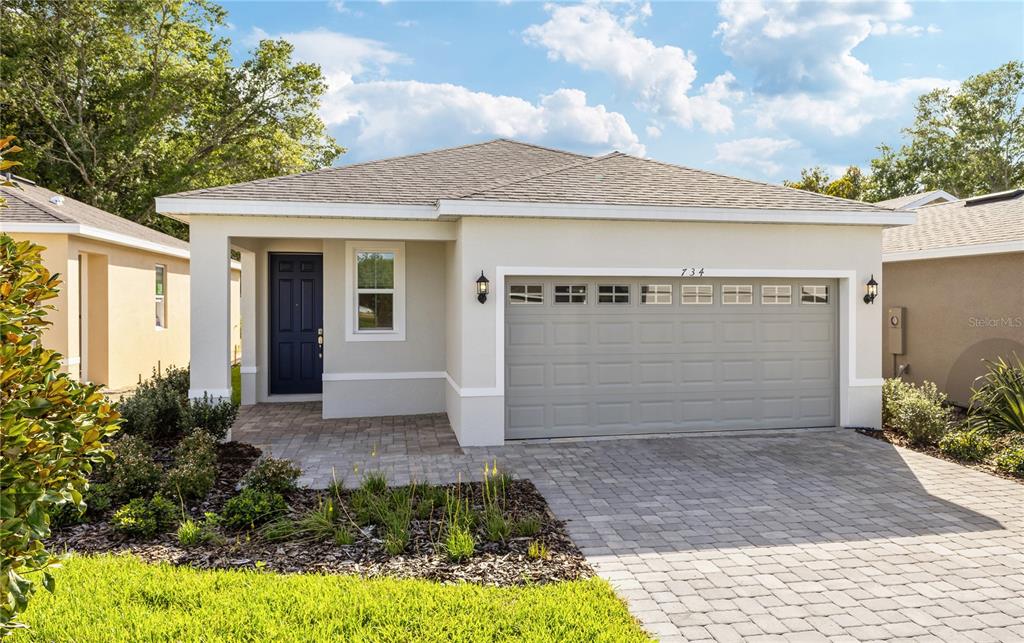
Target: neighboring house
pixel 957 278
pixel 914 201
pixel 627 296
pixel 123 308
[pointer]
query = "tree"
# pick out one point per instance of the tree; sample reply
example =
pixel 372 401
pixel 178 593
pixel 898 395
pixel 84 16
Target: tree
pixel 848 186
pixel 118 101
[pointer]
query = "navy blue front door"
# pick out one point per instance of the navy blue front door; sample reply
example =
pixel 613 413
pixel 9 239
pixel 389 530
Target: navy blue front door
pixel 296 323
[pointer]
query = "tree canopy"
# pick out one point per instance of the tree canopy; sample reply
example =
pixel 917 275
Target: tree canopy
pixel 967 142
pixel 118 101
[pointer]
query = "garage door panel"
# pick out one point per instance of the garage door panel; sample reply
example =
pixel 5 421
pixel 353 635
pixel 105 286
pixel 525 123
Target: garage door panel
pixel 608 369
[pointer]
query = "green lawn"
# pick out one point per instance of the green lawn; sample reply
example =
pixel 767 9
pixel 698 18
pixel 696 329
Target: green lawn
pixel 119 598
pixel 236 384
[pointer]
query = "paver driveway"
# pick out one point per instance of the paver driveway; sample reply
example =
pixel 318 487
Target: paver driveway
pixel 789 536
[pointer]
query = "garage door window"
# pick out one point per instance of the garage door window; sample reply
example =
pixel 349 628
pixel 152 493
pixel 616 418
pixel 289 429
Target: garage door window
pixel 813 294
pixel 732 294
pixel 613 294
pixel 526 294
pixel 656 294
pixel 774 295
pixel 576 294
pixel 698 294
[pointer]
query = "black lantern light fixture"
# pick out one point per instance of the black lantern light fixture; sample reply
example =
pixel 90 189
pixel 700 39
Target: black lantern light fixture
pixel 870 290
pixel 483 287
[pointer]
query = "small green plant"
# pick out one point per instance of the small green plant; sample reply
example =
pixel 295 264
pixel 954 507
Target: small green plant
pixel 273 475
pixel 997 401
pixel 395 541
pixel 154 410
pixel 918 413
pixel 195 467
pixel 1011 461
pixel 197 532
pixel 496 527
pixel 252 508
pixel 343 535
pixel 526 526
pixel 375 482
pixel 142 518
pixel 968 446
pixel 362 503
pixel 133 473
pixel 95 501
pixel 317 525
pixel 538 550
pixel 458 543
pixel 208 415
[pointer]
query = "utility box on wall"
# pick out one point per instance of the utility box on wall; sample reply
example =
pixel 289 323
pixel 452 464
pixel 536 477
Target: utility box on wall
pixel 895 330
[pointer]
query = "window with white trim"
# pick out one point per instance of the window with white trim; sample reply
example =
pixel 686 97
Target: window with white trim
pixel 160 273
pixel 526 294
pixel 814 294
pixel 375 290
pixel 656 294
pixel 737 294
pixel 697 294
pixel 613 294
pixel 775 294
pixel 571 294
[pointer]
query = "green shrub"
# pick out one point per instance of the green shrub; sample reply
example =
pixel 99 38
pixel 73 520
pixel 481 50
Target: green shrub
pixel 918 413
pixel 969 446
pixel 54 428
pixel 319 524
pixel 458 543
pixel 154 410
pixel 526 526
pixel 496 527
pixel 143 518
pixel 213 417
pixel 197 532
pixel 195 467
pixel 374 482
pixel 997 400
pixel 252 508
pixel 1011 461
pixel 272 475
pixel 133 473
pixel 95 500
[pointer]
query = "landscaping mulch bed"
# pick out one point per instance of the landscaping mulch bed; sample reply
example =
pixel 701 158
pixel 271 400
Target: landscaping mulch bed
pixel 493 563
pixel 886 435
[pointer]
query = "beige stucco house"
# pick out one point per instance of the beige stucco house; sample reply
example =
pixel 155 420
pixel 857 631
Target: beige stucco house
pixel 623 295
pixel 124 307
pixel 953 290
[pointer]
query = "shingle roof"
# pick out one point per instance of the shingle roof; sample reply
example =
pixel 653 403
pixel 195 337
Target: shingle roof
pixel 959 223
pixel 505 170
pixel 31 204
pixel 901 202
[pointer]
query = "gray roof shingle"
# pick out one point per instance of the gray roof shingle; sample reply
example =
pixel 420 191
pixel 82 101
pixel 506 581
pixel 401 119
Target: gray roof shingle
pixel 31 204
pixel 958 224
pixel 505 170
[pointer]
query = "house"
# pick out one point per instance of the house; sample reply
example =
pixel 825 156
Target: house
pixel 531 292
pixel 914 201
pixel 954 291
pixel 123 309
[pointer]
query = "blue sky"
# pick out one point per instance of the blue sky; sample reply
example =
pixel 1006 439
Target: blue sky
pixel 754 89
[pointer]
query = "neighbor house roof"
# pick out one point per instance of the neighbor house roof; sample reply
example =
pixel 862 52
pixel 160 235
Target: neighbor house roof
pixel 987 224
pixel 912 201
pixel 31 208
pixel 510 171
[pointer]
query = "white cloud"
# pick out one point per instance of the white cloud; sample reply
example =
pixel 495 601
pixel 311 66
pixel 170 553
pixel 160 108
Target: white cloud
pixel 757 153
pixel 399 115
pixel 596 39
pixel 805 70
pixel 653 131
pixel 405 24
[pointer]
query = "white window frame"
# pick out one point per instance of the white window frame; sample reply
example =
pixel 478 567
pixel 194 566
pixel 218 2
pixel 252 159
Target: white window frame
pixel 778 291
pixel 698 293
pixel 813 294
pixel 656 294
pixel 742 290
pixel 571 295
pixel 614 295
pixel 352 331
pixel 160 299
pixel 525 293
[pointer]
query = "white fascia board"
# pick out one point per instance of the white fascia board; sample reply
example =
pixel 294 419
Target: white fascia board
pixel 460 207
pixel 175 206
pixel 99 234
pixel 999 247
pixel 928 197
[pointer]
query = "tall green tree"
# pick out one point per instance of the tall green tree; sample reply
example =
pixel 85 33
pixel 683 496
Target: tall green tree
pixel 848 186
pixel 117 101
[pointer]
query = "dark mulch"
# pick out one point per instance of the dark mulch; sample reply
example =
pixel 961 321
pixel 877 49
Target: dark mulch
pixel 493 563
pixel 887 435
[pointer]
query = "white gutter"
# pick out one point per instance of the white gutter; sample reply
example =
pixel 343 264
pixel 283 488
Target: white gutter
pixel 998 247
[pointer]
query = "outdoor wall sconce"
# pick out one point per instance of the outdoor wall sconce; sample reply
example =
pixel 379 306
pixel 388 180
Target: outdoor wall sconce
pixel 870 290
pixel 483 287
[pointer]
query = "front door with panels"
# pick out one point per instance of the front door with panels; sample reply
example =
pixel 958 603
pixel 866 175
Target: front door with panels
pixel 615 356
pixel 296 324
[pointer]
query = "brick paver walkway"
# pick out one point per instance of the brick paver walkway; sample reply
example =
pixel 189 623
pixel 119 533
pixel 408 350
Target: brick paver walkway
pixel 787 536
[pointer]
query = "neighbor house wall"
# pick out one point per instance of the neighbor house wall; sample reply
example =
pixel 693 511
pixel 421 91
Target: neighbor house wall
pixel 57 336
pixel 959 311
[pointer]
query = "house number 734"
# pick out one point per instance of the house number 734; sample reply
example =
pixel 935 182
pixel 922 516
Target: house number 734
pixel 692 272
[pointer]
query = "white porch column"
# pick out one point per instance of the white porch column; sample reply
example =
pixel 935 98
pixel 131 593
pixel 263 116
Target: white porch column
pixel 210 315
pixel 248 327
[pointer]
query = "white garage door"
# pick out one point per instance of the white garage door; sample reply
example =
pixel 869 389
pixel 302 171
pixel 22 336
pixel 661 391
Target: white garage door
pixel 589 356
